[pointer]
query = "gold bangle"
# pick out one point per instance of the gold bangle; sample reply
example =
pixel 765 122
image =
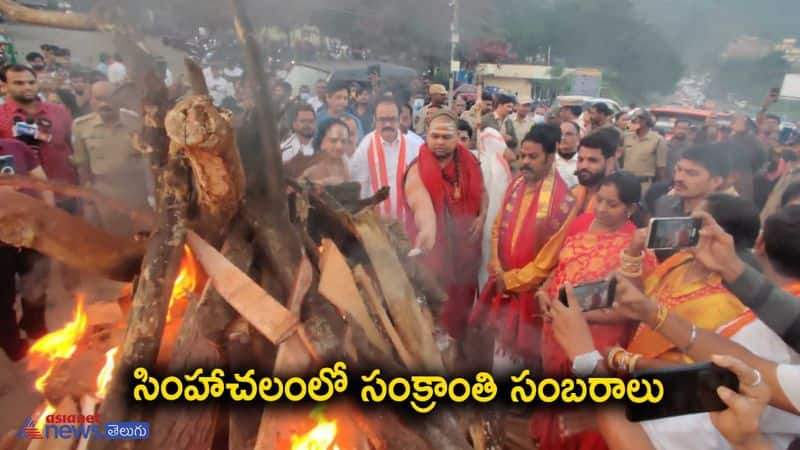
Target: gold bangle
pixel 624 256
pixel 661 317
pixel 632 363
pixel 623 362
pixel 630 273
pixel 612 354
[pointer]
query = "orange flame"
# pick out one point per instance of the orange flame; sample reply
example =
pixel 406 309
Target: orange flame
pixel 321 437
pixel 185 283
pixel 104 377
pixel 59 344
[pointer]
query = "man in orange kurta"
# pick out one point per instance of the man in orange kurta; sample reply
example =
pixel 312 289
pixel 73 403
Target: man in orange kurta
pixel 527 236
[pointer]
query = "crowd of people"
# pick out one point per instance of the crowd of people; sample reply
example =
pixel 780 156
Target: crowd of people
pixel 506 201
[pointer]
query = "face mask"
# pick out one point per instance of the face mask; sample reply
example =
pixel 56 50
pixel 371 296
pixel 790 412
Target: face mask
pixel 418 104
pixel 305 96
pixel 538 119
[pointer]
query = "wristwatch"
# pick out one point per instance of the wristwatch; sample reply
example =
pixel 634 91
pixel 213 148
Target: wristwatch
pixel 584 365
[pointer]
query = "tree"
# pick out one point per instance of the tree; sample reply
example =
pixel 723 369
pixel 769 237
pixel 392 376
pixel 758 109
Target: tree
pixel 599 33
pixel 749 79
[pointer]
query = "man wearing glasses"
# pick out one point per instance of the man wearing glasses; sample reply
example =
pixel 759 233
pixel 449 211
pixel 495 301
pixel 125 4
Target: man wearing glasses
pixel 383 157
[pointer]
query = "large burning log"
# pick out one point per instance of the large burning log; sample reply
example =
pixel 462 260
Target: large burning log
pixel 205 136
pixel 31 223
pixel 153 291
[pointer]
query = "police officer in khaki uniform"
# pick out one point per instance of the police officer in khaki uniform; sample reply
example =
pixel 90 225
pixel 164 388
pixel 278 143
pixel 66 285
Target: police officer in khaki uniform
pixel 438 95
pixel 107 160
pixel 645 150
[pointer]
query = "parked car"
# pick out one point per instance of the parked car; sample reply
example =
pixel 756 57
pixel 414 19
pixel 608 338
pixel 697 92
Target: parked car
pixel 586 102
pixel 666 117
pixel 308 73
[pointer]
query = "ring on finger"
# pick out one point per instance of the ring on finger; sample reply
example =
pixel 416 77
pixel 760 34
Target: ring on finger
pixel 758 379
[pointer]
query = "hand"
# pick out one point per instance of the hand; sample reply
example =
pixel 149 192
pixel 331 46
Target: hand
pixel 425 241
pixel 638 243
pixel 476 229
pixel 633 304
pixel 544 304
pixel 715 250
pixel 570 327
pixel 770 99
pixel 740 423
pixel 500 283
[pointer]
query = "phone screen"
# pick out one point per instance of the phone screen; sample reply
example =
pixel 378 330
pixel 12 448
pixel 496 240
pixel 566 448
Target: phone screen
pixel 591 296
pixel 688 389
pixel 774 92
pixel 673 233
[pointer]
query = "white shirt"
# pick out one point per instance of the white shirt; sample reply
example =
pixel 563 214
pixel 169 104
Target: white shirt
pixel 696 431
pixel 360 170
pixel 315 102
pixel 292 146
pixel 219 88
pixel 566 168
pixel 117 72
pixel 496 177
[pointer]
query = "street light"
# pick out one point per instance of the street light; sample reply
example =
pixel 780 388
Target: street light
pixel 454 39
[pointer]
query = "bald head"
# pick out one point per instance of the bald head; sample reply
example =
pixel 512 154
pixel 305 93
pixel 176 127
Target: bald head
pixel 101 101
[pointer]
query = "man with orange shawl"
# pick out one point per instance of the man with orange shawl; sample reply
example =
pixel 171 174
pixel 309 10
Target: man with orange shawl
pixel 527 236
pixel 445 194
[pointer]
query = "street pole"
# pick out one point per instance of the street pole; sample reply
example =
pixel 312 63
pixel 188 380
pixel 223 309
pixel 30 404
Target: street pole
pixel 454 38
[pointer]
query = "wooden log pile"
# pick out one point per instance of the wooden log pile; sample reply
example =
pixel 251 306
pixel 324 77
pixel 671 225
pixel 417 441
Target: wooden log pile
pixel 298 277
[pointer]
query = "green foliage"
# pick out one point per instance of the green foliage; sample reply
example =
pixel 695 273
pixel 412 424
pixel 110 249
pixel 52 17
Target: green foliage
pixel 595 33
pixel 749 79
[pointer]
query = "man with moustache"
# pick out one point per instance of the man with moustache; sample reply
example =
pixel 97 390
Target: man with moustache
pixel 447 204
pixel 678 144
pixel 108 162
pixel 566 157
pixel 303 127
pixel 383 156
pixel 526 238
pixel 597 157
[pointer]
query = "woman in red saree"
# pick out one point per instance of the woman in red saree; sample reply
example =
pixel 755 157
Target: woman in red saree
pixel 591 252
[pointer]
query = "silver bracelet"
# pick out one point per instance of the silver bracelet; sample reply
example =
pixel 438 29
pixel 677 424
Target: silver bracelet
pixel 692 338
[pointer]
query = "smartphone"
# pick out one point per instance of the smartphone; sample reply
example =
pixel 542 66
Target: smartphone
pixel 775 92
pixel 591 296
pixel 669 233
pixel 690 389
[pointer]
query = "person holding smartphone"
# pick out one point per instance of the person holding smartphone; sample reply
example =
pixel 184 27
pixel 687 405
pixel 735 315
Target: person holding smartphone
pixel 739 424
pixel 16 158
pixel 591 251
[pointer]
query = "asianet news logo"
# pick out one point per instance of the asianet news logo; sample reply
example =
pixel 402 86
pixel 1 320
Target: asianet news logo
pixel 76 426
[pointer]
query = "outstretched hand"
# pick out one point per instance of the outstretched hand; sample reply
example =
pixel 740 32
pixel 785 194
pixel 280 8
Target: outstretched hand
pixel 716 250
pixel 570 327
pixel 740 424
pixel 632 303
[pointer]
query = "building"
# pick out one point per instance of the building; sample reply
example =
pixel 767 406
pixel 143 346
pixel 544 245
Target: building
pixel 536 81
